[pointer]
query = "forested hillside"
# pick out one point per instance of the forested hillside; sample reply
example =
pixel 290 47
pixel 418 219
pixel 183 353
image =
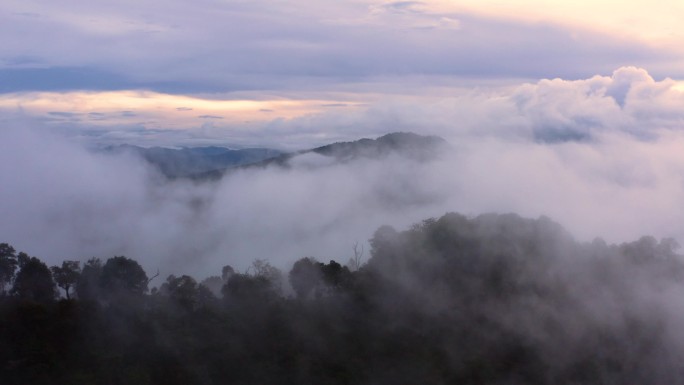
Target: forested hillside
pixel 191 161
pixel 495 299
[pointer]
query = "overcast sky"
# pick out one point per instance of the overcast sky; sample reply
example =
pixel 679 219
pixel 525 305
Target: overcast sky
pixel 294 74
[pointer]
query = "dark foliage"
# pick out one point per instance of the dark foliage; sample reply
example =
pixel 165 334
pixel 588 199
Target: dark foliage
pixel 194 162
pixel 66 275
pixel 8 265
pixel 34 280
pixel 88 282
pixel 122 276
pixel 495 299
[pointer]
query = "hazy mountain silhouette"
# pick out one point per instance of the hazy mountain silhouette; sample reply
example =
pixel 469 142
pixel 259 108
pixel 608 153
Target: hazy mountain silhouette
pixel 210 163
pixel 187 162
pixel 404 144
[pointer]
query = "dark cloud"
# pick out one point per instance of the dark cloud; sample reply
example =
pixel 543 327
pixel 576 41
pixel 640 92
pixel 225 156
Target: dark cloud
pixel 401 5
pixel 63 114
pixel 61 79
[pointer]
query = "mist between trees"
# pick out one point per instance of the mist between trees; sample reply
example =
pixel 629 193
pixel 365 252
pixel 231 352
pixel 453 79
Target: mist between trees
pixel 492 299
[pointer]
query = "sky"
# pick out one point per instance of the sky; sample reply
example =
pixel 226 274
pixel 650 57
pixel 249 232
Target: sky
pixel 573 110
pixel 266 73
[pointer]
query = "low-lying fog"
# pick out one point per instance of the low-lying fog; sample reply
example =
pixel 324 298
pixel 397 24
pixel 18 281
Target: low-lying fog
pixel 59 201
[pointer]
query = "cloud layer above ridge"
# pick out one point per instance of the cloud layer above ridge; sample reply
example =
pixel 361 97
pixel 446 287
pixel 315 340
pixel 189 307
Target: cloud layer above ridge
pixel 628 101
pixel 602 156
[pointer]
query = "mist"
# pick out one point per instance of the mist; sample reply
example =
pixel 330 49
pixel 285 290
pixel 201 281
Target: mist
pixel 582 297
pixel 61 201
pixel 602 156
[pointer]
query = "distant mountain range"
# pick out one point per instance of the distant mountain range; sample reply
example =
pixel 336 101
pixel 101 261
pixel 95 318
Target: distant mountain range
pixel 202 163
pixel 188 162
pixel 407 144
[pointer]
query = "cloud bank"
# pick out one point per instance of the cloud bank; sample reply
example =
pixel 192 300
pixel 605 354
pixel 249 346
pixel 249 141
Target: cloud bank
pixel 601 156
pixel 627 101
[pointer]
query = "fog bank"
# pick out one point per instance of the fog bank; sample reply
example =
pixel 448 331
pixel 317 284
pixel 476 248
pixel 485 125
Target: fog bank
pixel 60 201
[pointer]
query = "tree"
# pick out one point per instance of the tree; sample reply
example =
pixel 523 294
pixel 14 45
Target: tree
pixel 305 276
pixel 67 275
pixel 182 290
pixel 88 282
pixel 335 275
pixel 8 265
pixel 227 272
pixel 354 263
pixel 123 276
pixel 34 280
pixel 384 242
pixel 247 289
pixel 259 285
pixel 213 284
pixel 262 269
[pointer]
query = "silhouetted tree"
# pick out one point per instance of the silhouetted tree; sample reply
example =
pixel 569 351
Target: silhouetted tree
pixel 226 272
pixel 263 269
pixel 305 276
pixel 123 276
pixel 355 262
pixel 248 289
pixel 335 276
pixel 214 284
pixel 8 265
pixel 88 283
pixel 34 280
pixel 66 275
pixel 182 290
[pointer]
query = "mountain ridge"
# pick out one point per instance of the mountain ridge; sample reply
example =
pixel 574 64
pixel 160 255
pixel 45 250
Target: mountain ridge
pixel 212 162
pixel 189 161
pixel 407 144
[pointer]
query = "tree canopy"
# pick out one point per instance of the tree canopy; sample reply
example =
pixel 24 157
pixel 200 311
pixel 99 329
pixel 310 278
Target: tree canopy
pixel 492 299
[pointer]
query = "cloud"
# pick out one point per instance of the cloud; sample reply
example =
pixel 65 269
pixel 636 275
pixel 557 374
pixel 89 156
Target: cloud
pixel 619 182
pixel 600 155
pixel 626 100
pixel 63 114
pixel 268 45
pixel 61 79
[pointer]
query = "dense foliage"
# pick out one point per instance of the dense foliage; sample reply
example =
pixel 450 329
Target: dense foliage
pixel 495 299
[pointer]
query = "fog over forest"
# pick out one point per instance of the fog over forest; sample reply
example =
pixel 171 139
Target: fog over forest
pixel 476 297
pixel 360 192
pixel 597 155
pixel 617 182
